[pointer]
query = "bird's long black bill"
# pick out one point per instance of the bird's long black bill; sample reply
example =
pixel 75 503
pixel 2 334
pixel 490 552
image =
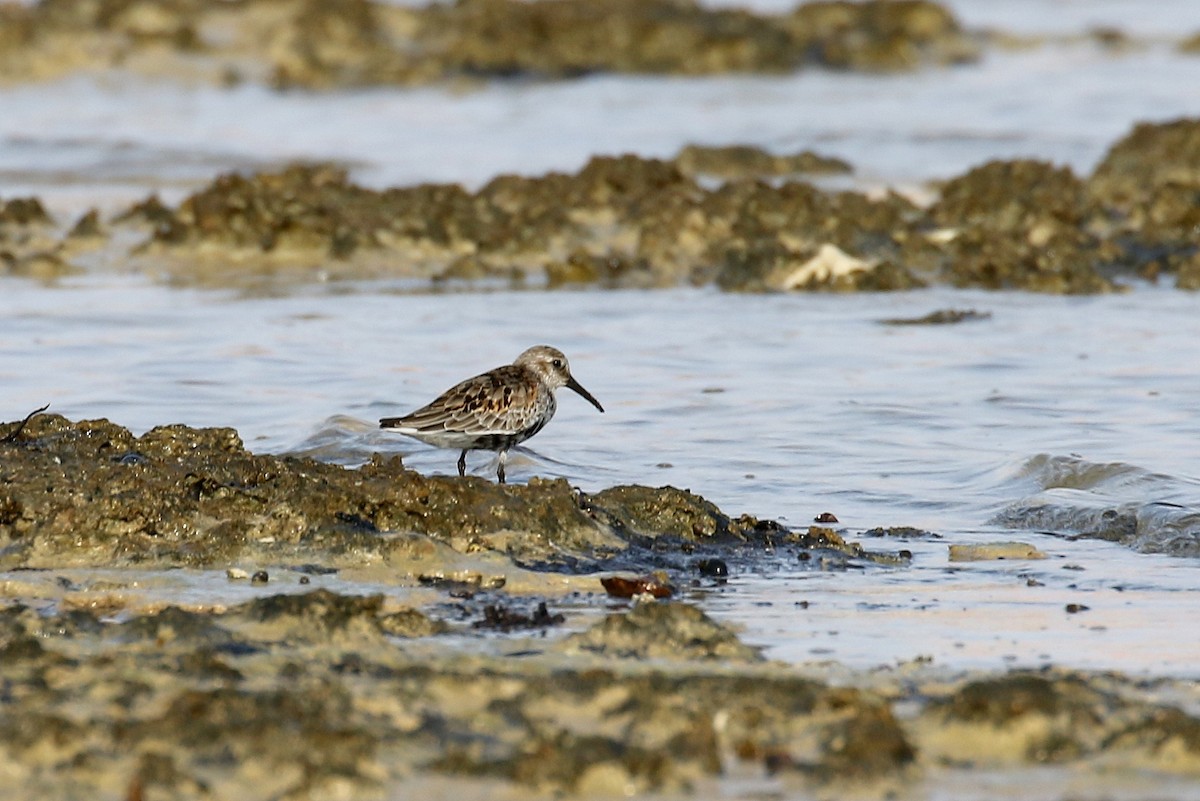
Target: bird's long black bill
pixel 575 385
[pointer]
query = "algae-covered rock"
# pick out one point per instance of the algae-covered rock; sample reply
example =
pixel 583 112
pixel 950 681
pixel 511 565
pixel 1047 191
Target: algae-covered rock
pixel 323 44
pixel 1028 717
pixel 665 511
pixel 29 246
pixel 628 221
pixel 1149 187
pixel 654 630
pixel 1020 224
pixel 324 616
pixel 91 493
pixel 880 36
pixel 1150 157
pixel 744 161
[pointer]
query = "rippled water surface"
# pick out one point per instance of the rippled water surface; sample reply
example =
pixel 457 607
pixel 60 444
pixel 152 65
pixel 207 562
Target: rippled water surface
pixel 1051 411
pixel 1048 419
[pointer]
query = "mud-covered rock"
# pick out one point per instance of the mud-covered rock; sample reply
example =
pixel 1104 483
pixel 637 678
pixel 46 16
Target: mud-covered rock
pixel 654 630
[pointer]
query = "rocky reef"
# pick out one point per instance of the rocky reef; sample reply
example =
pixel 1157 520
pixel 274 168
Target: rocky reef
pixel 327 44
pixel 628 221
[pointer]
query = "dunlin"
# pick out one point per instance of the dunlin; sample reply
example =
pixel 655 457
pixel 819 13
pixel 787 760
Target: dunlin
pixel 496 410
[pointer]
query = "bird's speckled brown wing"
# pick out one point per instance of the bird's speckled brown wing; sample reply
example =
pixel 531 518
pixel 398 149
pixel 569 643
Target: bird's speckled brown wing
pixel 502 401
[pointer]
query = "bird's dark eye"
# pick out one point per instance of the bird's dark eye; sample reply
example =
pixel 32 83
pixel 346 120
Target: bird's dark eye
pixel 557 363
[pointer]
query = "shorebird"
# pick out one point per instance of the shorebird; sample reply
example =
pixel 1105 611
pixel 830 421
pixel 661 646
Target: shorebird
pixel 495 410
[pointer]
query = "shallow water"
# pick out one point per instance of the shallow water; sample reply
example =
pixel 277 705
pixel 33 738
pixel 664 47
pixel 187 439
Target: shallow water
pixel 1054 415
pixel 783 406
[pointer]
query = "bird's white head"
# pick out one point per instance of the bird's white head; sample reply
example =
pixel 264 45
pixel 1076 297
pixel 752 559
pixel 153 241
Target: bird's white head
pixel 552 368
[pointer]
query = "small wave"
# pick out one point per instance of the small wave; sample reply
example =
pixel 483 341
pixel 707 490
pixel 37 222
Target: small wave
pixel 1149 512
pixel 344 440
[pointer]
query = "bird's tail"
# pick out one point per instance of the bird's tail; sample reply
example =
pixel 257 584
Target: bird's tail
pixel 391 422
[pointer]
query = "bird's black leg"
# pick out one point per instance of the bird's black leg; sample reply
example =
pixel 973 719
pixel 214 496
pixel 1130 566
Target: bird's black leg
pixel 462 463
pixel 500 468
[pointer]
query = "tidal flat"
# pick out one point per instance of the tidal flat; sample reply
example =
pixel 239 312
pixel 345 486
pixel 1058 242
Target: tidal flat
pixel 890 306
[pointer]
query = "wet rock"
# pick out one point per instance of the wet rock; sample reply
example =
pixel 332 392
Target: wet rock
pixel 195 497
pixel 1149 186
pixel 87 227
pixel 632 222
pixel 662 631
pixel 1041 718
pixel 324 616
pixel 1020 225
pixel 90 493
pixel 1149 158
pixel 903 532
pixel 174 625
pixel 867 744
pixel 410 623
pixel 318 44
pixel 562 39
pixel 744 161
pixel 879 36
pixel 29 246
pixel 502 618
pixel 994 550
pixel 160 704
pixel 23 211
pixel 232 726
pixel 665 511
pixel 795 236
pixel 941 317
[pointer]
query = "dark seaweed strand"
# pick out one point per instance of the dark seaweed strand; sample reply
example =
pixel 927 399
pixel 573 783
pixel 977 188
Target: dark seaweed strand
pixel 11 436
